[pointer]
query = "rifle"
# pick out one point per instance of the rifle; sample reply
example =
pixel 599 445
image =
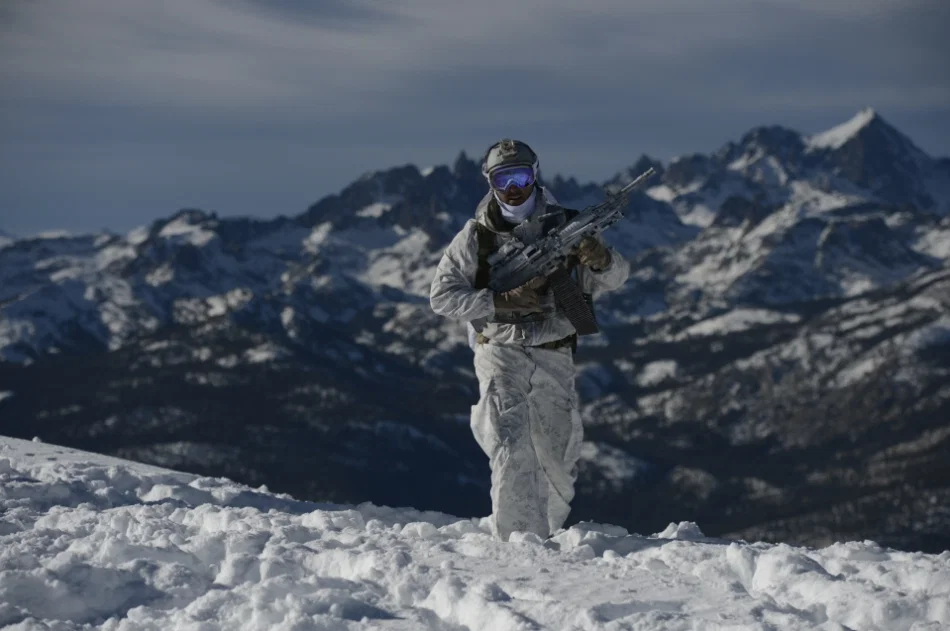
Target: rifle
pixel 515 263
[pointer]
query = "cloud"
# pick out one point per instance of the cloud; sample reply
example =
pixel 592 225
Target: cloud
pixel 180 54
pixel 336 58
pixel 306 95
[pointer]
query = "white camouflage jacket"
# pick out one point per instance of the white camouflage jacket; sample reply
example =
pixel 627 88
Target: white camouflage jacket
pixel 453 292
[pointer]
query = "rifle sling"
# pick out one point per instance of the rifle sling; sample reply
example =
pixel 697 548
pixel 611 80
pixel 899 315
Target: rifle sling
pixel 573 302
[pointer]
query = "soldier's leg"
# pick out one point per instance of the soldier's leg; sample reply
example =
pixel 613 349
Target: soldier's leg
pixel 500 423
pixel 556 428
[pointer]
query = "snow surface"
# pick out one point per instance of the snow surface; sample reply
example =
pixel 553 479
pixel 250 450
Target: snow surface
pixel 182 228
pixel 734 321
pixel 657 372
pixel 935 242
pixel 806 198
pixel 52 235
pixel 374 210
pixel 840 134
pixel 6 239
pixel 88 541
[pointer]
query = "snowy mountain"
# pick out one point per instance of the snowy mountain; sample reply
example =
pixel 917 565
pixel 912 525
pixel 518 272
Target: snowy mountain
pixel 96 542
pixel 777 367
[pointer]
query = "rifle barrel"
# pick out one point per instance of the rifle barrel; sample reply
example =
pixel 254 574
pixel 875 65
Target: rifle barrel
pixel 636 182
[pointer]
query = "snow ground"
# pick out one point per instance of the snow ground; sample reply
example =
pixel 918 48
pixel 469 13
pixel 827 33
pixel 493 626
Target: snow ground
pixel 89 542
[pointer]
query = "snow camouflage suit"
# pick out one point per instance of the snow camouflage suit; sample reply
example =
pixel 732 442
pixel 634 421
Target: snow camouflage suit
pixel 526 419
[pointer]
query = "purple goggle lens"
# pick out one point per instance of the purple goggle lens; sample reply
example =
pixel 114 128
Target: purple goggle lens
pixel 520 176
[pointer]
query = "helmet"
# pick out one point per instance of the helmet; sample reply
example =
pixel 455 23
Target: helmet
pixel 506 153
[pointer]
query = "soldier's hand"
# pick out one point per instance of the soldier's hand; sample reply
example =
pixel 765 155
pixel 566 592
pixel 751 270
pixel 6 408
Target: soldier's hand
pixel 537 283
pixel 524 299
pixel 592 253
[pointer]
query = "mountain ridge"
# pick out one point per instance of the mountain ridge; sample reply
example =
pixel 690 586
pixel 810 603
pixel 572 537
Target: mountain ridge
pixel 763 272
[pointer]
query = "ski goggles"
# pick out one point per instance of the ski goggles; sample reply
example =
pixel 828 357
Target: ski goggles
pixel 520 176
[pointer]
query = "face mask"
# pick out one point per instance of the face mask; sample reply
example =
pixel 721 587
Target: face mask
pixel 517 214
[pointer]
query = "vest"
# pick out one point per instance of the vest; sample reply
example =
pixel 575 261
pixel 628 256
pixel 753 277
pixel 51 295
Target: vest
pixel 487 246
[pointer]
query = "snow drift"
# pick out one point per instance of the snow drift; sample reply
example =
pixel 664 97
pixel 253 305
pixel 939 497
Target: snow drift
pixel 88 541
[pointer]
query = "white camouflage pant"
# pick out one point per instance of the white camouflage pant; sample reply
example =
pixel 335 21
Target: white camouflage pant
pixel 527 422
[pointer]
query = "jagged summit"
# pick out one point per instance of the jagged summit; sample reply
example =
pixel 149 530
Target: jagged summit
pixel 464 166
pixel 840 134
pixel 874 155
pixel 773 141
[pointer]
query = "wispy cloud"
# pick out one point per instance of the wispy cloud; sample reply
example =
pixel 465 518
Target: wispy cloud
pixel 189 54
pixel 307 94
pixel 246 55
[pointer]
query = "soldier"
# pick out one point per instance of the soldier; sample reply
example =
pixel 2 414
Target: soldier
pixel 526 419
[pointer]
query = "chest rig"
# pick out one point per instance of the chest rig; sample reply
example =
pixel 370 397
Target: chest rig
pixel 580 310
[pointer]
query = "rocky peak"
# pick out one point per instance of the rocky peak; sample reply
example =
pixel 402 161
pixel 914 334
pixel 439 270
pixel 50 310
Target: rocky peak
pixel 400 180
pixel 687 170
pixel 184 217
pixel 465 168
pixel 839 135
pixel 371 188
pixel 774 140
pixel 567 188
pixel 869 152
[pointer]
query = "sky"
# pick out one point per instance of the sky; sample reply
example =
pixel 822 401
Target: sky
pixel 114 113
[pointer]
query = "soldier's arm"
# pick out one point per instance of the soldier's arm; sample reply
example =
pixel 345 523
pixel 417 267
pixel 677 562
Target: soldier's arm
pixel 608 279
pixel 453 292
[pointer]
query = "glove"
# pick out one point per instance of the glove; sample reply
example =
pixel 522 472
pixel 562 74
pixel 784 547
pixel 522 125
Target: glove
pixel 593 254
pixel 524 299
